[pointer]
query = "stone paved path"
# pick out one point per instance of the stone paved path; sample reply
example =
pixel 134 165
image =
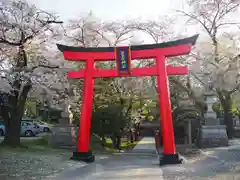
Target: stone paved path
pixel 214 164
pixel 147 144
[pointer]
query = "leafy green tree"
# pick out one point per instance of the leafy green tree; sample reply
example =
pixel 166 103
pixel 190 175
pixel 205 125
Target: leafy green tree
pixel 108 121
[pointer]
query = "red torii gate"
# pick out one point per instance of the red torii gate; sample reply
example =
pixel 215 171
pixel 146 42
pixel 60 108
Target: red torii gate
pixel 123 56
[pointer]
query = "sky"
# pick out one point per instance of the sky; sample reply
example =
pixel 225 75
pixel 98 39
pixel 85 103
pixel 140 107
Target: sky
pixel 116 10
pixel 110 9
pixel 121 10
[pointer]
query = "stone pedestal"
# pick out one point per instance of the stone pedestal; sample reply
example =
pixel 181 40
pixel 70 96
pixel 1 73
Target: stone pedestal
pixel 213 136
pixel 64 118
pixel 211 133
pixel 64 136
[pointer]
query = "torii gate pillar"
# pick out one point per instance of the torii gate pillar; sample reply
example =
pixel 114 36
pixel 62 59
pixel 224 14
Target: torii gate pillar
pixel 123 56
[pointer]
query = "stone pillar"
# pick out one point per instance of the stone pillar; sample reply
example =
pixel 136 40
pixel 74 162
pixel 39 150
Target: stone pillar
pixel 210 116
pixel 212 134
pixel 65 112
pixel 189 132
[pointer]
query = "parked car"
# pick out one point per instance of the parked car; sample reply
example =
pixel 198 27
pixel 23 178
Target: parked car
pixel 44 127
pixel 29 128
pixel 2 129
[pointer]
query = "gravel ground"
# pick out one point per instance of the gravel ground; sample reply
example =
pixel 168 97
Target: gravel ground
pixel 217 165
pixel 210 164
pixel 23 165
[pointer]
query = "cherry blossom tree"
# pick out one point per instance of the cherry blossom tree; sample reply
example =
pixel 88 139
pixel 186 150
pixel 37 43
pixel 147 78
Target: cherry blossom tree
pixel 24 34
pixel 218 19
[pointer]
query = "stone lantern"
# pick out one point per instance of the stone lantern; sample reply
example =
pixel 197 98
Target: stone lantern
pixel 211 133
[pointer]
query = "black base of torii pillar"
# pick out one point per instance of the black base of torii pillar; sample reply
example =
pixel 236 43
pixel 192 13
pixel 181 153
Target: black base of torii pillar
pixel 168 159
pixel 87 157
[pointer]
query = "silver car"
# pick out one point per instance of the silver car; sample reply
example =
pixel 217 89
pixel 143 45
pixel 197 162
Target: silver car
pixel 44 127
pixel 29 128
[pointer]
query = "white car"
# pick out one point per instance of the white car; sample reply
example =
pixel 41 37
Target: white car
pixel 44 127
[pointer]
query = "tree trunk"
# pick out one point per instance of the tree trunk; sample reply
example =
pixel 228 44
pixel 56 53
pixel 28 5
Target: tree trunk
pixel 228 119
pixel 12 136
pixel 114 138
pixel 13 125
pixel 103 140
pixel 118 142
pixel 226 101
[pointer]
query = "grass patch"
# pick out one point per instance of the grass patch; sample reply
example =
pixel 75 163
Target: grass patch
pixel 96 145
pixel 34 145
pixel 39 142
pixel 42 145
